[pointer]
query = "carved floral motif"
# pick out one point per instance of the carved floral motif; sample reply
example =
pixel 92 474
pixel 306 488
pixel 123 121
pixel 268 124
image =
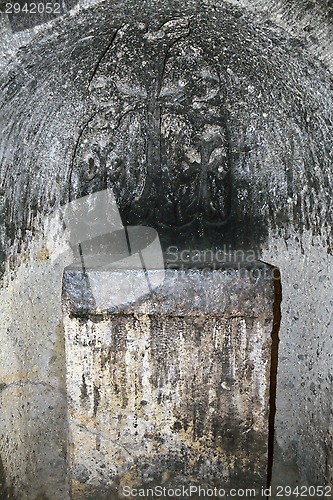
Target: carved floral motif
pixel 159 136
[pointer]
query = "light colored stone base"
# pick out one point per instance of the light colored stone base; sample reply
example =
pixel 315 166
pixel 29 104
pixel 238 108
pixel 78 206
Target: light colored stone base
pixel 173 390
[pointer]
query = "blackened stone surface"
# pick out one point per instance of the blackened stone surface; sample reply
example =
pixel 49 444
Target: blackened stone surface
pixel 203 121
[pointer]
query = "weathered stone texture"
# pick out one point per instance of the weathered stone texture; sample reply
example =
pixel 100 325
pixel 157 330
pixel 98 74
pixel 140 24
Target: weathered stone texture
pixel 172 390
pixel 274 60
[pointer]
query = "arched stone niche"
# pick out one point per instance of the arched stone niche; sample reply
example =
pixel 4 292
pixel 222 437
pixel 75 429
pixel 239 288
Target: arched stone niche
pixel 154 108
pixel 243 108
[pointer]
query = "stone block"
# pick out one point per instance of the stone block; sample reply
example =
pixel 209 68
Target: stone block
pixel 171 390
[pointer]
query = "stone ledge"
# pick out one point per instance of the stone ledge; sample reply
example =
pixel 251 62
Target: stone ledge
pixel 191 292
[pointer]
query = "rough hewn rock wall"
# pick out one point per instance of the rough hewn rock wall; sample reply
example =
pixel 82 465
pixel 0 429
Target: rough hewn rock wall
pixel 279 102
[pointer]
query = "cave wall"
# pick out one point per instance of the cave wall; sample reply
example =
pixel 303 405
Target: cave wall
pixel 272 62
